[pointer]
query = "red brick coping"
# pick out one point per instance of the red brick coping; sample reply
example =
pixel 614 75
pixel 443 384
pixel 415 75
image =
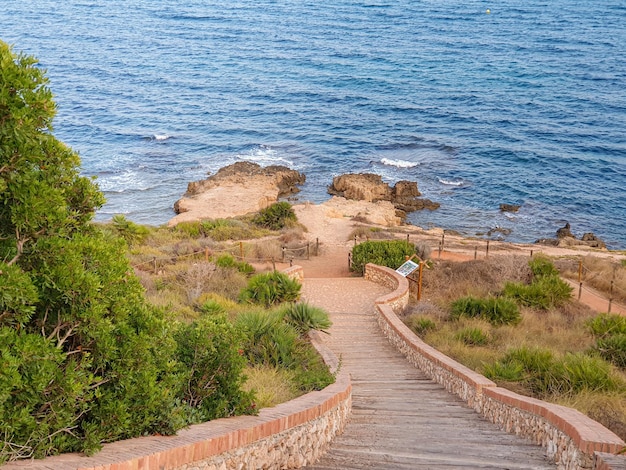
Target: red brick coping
pixel 289 435
pixel 572 440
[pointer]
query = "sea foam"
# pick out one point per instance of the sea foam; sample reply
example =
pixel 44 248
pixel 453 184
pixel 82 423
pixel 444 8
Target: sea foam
pixel 398 163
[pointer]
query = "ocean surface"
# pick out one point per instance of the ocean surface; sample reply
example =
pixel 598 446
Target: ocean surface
pixel 480 102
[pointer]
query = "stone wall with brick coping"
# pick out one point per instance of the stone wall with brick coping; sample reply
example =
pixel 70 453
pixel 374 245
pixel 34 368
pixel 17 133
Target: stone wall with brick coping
pixel 289 435
pixel 571 439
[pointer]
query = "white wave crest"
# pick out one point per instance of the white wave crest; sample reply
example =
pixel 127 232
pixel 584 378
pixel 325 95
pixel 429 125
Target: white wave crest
pixel 161 136
pixel 451 182
pixel 265 155
pixel 398 163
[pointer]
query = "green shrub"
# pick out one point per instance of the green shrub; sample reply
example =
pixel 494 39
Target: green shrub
pixel 470 307
pixel 506 371
pixel 607 324
pixel 272 341
pixel 310 372
pixel 131 232
pixel 578 372
pixel 497 311
pixel 304 317
pixel 269 340
pixel 473 337
pixel 191 229
pixel 541 266
pixel 613 349
pixel 390 253
pixel 546 291
pixel 534 365
pixel 228 261
pixel 276 216
pixel 545 375
pixel 271 288
pixel 420 325
pixel 212 307
pixel 500 311
pixel 209 349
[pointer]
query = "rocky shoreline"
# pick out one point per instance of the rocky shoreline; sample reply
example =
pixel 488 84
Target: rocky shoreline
pixel 245 187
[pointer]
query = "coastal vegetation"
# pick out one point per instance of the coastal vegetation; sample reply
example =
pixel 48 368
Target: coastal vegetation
pixel 390 253
pixel 554 348
pixel 97 344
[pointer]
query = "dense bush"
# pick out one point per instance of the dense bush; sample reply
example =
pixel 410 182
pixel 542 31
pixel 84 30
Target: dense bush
pixel 271 288
pixel 209 350
pixel 390 253
pixel 496 310
pixel 275 217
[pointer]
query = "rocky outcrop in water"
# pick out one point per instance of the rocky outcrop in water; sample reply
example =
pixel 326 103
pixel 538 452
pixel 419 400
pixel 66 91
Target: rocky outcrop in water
pixel 371 188
pixel 234 190
pixel 566 239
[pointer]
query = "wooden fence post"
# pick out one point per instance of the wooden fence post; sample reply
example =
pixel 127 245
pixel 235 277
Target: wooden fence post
pixel 580 278
pixel 419 282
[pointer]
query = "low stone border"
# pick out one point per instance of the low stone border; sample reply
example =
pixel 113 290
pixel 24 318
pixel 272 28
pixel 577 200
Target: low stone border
pixel 289 435
pixel 571 439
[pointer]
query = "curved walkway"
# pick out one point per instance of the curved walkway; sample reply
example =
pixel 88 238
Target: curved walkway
pixel 400 418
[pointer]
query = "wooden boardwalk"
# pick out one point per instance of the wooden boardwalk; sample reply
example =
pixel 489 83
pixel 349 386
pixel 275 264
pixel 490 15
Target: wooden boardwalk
pixel 400 418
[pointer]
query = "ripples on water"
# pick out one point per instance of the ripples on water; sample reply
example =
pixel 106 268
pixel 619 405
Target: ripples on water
pixel 525 105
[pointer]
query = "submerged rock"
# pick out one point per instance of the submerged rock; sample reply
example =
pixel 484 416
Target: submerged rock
pixel 509 207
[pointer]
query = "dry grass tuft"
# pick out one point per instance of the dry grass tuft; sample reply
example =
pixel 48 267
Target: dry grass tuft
pixel 363 232
pixel 609 409
pixel 448 280
pixel 272 386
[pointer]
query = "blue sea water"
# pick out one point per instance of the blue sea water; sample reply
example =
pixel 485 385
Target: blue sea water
pixel 523 105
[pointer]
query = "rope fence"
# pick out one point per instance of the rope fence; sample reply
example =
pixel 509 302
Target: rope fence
pixel 288 254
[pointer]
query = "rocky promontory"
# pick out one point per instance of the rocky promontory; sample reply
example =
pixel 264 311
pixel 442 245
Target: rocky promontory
pixel 237 189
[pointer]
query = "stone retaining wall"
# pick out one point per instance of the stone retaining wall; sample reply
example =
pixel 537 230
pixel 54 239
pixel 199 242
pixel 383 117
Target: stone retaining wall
pixel 571 439
pixel 289 435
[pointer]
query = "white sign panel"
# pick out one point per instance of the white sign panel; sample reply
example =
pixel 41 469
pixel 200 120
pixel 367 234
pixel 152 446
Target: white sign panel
pixel 407 268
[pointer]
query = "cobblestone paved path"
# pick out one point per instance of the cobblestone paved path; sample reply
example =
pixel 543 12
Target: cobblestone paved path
pixel 400 418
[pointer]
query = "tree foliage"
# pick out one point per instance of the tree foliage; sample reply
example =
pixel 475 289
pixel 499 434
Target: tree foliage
pixel 83 358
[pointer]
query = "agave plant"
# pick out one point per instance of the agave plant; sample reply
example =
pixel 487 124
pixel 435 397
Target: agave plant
pixel 305 317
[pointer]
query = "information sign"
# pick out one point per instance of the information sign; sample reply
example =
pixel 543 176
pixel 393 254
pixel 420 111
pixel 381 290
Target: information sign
pixel 407 268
